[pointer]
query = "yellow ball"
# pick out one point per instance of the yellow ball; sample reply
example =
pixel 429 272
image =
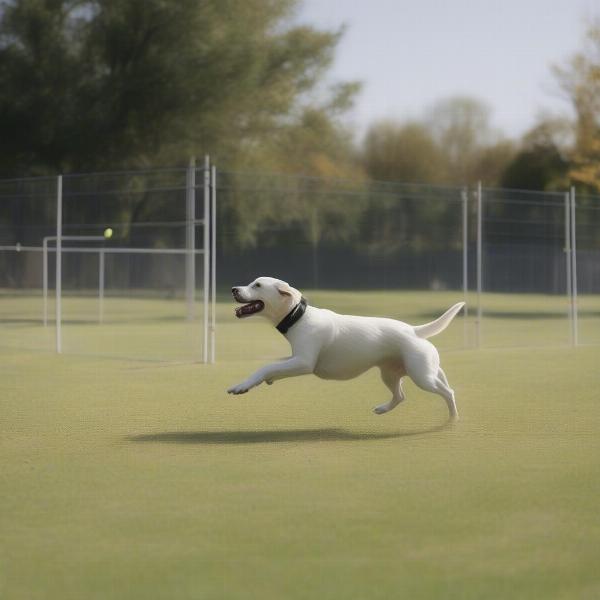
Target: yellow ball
pixel 108 233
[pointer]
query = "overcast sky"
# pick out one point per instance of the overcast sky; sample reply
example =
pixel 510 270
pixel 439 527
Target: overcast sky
pixel 409 54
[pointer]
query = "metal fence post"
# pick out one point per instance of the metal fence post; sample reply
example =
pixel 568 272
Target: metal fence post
pixel 575 324
pixel 568 263
pixel 465 254
pixel 59 198
pixel 479 259
pixel 206 245
pixel 465 249
pixel 101 285
pixel 190 238
pixel 213 260
pixel 45 278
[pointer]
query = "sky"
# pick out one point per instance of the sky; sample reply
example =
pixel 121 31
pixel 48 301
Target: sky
pixel 410 53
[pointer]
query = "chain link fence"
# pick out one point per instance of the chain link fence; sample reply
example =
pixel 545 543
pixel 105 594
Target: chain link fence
pixel 388 249
pixel 587 242
pixel 525 300
pixel 27 216
pixel 133 280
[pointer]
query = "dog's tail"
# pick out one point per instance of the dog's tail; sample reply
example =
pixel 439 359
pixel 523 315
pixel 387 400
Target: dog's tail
pixel 430 329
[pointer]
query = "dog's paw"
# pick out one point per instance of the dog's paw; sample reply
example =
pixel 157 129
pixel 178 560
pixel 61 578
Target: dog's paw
pixel 381 409
pixel 241 388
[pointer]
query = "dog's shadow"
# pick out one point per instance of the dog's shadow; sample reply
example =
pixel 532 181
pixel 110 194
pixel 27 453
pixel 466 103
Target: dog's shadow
pixel 274 436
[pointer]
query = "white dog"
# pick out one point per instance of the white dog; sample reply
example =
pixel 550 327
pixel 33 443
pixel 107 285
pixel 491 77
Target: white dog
pixel 333 346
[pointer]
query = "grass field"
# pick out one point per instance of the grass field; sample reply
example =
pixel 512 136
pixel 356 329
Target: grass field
pixel 155 329
pixel 138 479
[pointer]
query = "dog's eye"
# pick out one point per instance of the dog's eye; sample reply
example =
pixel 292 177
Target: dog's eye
pixel 257 285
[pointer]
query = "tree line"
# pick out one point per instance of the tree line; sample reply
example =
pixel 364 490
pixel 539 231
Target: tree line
pixel 92 85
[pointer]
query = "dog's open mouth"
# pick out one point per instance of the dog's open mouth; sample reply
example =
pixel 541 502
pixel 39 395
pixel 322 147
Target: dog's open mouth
pixel 249 309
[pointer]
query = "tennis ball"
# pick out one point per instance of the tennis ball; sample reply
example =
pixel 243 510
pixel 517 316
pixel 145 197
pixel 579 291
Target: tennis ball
pixel 108 233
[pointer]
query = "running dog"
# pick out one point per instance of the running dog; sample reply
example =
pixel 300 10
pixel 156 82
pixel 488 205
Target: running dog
pixel 333 346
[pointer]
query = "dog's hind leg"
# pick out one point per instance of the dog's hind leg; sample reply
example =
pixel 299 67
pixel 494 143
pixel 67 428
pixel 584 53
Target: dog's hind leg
pixel 423 367
pixel 449 395
pixel 392 377
pixel 438 384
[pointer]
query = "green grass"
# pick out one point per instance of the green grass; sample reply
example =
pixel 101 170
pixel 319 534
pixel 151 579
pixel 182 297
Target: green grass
pixel 126 480
pixel 156 329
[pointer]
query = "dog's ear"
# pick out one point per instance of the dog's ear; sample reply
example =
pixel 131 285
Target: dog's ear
pixel 284 289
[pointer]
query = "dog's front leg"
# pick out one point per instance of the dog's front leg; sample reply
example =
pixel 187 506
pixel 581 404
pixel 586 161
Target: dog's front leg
pixel 288 368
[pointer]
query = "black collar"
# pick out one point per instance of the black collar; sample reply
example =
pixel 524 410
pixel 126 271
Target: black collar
pixel 292 317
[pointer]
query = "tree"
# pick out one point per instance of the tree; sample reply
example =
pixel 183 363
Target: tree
pixel 491 162
pixel 542 161
pixel 461 128
pixel 402 152
pixel 95 84
pixel 579 78
pixel 92 85
pixel 405 153
pixel 453 144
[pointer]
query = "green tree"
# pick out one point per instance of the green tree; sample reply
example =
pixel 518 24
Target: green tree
pixel 405 216
pixel 402 152
pixel 491 163
pixel 461 128
pixel 454 143
pixel 542 162
pixel 96 84
pixel 579 78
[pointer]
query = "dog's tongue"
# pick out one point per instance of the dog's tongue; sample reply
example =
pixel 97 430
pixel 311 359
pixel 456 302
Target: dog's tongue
pixel 249 309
